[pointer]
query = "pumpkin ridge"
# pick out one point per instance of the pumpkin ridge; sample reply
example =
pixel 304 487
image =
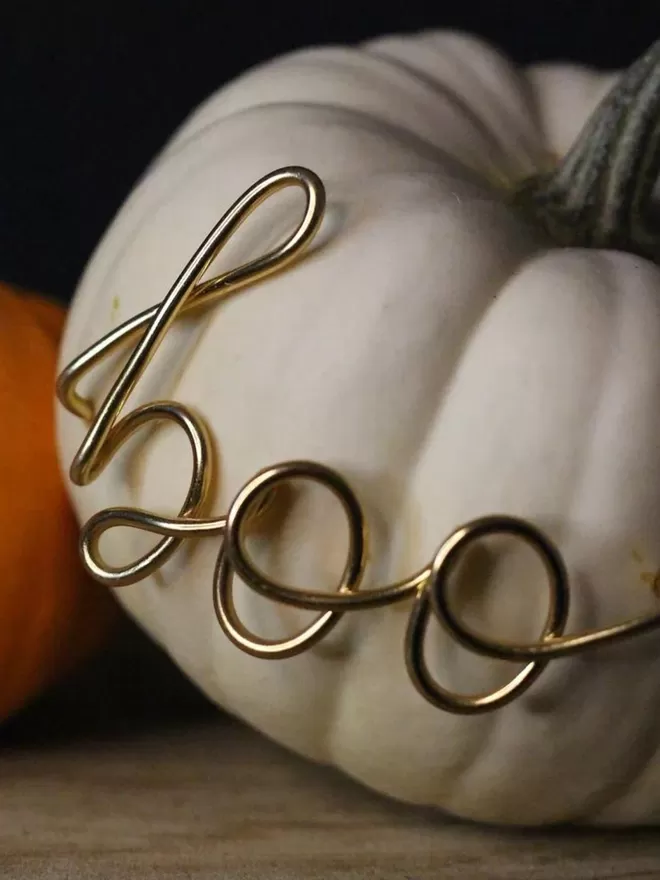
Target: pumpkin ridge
pixel 533 152
pixel 597 400
pixel 458 102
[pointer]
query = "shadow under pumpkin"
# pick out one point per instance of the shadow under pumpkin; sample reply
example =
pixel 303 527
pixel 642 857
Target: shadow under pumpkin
pixel 129 686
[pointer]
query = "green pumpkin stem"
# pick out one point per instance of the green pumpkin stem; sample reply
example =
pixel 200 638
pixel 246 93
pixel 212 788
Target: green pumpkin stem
pixel 602 194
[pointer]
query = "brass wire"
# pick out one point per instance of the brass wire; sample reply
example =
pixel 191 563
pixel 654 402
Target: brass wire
pixel 426 590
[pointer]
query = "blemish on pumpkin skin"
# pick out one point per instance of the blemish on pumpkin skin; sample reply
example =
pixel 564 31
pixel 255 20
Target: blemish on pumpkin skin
pixel 651 579
pixel 114 308
pixel 648 578
pixel 655 584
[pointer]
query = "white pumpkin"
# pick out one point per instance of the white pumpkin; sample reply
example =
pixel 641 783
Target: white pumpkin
pixel 443 356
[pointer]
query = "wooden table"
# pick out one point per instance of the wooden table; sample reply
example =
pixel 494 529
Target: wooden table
pixel 195 795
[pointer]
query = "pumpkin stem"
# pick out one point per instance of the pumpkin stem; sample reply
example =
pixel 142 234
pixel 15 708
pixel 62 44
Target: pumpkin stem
pixel 601 195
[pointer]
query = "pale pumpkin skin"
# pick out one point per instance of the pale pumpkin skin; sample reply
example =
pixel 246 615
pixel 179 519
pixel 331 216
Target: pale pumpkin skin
pixel 450 364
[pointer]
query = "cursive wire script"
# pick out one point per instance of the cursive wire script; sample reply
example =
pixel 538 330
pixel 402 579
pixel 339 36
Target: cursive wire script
pixel 426 590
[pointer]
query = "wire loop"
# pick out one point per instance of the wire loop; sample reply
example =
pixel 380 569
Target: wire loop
pixel 426 590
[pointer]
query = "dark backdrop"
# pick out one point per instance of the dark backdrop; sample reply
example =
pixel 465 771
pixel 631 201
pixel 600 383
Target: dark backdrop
pixel 86 98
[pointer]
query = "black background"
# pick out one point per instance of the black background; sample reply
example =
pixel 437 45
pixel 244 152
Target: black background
pixel 88 94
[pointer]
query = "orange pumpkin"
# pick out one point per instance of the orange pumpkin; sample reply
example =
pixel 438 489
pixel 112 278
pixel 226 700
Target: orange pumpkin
pixel 51 614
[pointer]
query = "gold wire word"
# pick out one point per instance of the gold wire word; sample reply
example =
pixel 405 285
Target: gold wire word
pixel 427 590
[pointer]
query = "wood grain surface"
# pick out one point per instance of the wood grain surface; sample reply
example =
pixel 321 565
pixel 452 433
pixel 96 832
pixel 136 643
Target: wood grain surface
pixel 218 801
pixel 125 772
